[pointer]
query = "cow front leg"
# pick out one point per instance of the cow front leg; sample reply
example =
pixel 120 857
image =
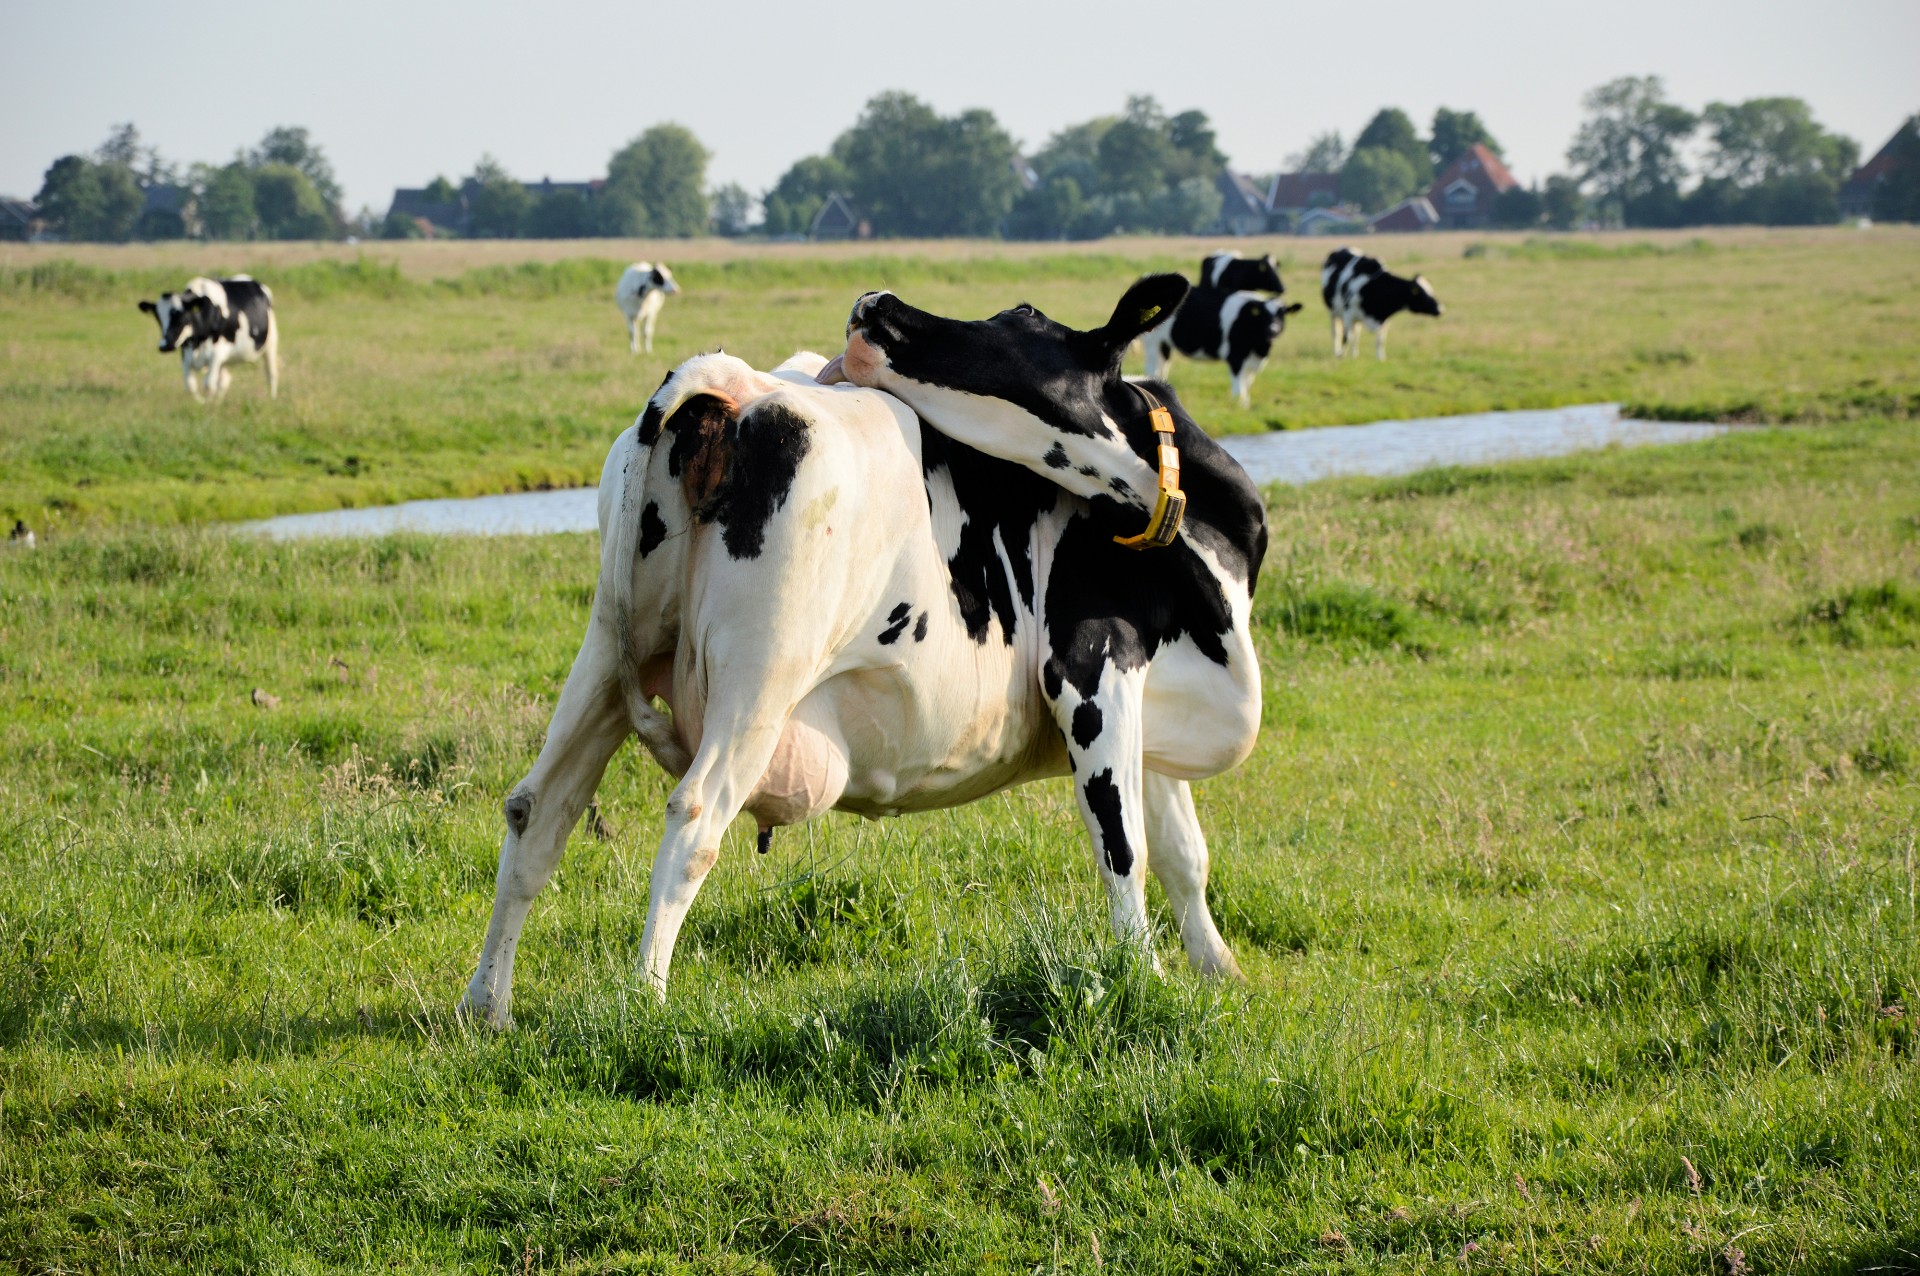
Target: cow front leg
pixel 588 724
pixel 1104 726
pixel 646 329
pixel 1380 343
pixel 633 334
pixel 1177 851
pixel 1339 338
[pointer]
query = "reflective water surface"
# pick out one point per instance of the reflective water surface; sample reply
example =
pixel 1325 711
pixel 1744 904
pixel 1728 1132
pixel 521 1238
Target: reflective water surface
pixel 1381 448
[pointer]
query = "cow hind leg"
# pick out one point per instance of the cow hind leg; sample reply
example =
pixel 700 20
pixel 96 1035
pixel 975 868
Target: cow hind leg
pixel 1105 735
pixel 589 723
pixel 1177 852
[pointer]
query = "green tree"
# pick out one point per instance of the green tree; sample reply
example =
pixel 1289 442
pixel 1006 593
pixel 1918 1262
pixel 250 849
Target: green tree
pixel 400 226
pixel 294 147
pixel 560 214
pixel 1075 152
pixel 732 210
pixel 1192 134
pixel 497 205
pixel 796 198
pixel 1563 202
pixel 1453 133
pixel 288 206
pixel 1055 209
pixel 1766 138
pixel 1392 130
pixel 1326 153
pixel 658 182
pixel 86 201
pixel 1628 150
pixel 1377 178
pixel 226 204
pixel 1518 208
pixel 912 172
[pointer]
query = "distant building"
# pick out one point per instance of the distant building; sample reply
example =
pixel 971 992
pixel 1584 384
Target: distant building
pixel 1466 189
pixel 1409 214
pixel 167 212
pixel 1243 205
pixel 1293 195
pixel 1023 172
pixel 19 219
pixel 838 220
pixel 441 216
pixel 1856 193
pixel 1336 220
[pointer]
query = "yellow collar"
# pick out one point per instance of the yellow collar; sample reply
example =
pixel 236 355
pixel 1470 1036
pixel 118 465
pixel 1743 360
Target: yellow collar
pixel 1170 510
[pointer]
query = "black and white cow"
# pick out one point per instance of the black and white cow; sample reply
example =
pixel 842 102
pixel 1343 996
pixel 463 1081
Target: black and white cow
pixel 848 599
pixel 1238 328
pixel 214 323
pixel 1359 290
pixel 642 290
pixel 1230 272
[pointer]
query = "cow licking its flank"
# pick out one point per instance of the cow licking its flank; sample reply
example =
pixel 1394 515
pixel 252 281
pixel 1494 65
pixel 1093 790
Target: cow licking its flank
pixel 215 323
pixel 1237 328
pixel 1359 290
pixel 905 594
pixel 642 290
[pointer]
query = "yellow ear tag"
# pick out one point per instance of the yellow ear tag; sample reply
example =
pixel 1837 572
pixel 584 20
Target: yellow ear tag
pixel 1149 313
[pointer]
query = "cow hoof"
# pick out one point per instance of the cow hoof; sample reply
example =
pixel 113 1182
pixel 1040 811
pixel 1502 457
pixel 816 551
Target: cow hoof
pixel 477 1014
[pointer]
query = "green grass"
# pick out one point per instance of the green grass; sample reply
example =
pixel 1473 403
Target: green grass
pixel 1574 878
pixel 511 375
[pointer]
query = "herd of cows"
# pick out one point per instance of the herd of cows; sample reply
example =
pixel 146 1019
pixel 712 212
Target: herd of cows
pixel 1232 316
pixel 956 557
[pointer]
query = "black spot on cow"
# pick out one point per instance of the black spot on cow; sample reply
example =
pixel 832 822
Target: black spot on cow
pixel 653 529
pixel 1230 272
pixel 1053 678
pixel 651 418
pixel 773 439
pixel 1103 799
pixel 1090 471
pixel 1120 485
pixel 1087 721
pixel 896 624
pixel 1056 457
pixel 920 628
pixel 998 496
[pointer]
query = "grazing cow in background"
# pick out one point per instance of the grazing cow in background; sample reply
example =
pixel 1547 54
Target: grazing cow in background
pixel 214 323
pixel 642 290
pixel 1230 272
pixel 1238 328
pixel 849 601
pixel 1359 290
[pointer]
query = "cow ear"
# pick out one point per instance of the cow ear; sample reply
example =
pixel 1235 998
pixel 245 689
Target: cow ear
pixel 147 307
pixel 1145 306
pixel 1295 308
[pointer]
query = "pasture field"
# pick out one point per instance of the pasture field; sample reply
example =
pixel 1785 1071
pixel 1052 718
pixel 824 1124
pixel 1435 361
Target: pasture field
pixel 454 369
pixel 1575 876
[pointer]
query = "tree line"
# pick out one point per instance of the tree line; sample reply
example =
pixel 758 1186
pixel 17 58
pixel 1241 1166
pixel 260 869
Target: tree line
pixel 910 171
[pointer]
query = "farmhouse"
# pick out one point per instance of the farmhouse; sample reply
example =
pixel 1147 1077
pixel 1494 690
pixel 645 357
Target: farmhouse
pixel 18 219
pixel 1856 193
pixel 1293 195
pixel 838 220
pixel 1409 214
pixel 1243 205
pixel 1464 192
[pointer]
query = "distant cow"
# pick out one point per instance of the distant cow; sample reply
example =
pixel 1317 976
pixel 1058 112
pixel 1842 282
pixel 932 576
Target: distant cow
pixel 1237 328
pixel 214 323
pixel 1359 290
pixel 642 290
pixel 1230 272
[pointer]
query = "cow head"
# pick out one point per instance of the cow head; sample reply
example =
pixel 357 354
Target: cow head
pixel 1420 298
pixel 1066 379
pixel 1277 312
pixel 663 280
pixel 181 316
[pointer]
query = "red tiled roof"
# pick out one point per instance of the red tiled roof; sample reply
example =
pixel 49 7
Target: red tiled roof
pixel 1298 190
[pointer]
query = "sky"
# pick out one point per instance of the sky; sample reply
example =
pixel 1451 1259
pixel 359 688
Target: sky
pixel 396 92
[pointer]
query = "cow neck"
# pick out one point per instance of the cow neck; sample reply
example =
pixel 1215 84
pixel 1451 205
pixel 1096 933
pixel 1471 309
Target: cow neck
pixel 1170 503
